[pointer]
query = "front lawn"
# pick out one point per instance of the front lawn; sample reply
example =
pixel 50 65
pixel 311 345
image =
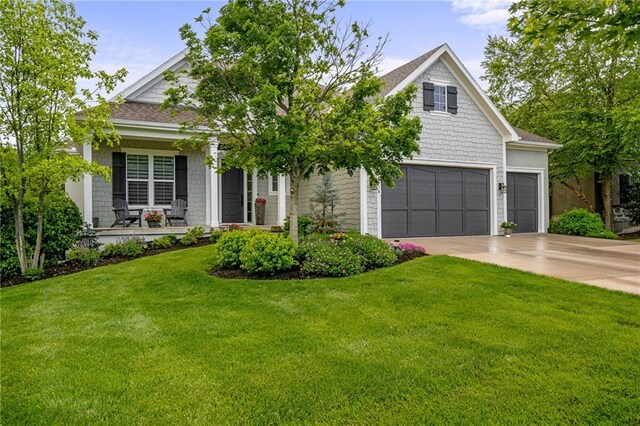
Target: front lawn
pixel 158 341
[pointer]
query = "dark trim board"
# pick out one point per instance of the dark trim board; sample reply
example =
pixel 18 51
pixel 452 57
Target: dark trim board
pixel 431 201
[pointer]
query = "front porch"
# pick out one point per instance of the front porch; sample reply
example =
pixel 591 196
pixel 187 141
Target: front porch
pixel 149 174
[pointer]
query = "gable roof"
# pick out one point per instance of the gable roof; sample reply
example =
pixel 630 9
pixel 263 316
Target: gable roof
pixel 395 77
pixel 154 76
pixel 143 111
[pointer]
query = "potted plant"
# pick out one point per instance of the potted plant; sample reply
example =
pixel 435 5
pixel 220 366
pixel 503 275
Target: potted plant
pixel 153 219
pixel 260 210
pixel 507 228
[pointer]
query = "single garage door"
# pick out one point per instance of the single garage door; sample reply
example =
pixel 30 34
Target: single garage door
pixel 522 201
pixel 436 201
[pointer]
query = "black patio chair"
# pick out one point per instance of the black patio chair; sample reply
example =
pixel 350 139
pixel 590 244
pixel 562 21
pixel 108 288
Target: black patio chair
pixel 125 215
pixel 177 212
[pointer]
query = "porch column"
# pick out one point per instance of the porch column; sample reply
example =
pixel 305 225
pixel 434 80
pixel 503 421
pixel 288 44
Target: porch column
pixel 87 186
pixel 213 186
pixel 282 199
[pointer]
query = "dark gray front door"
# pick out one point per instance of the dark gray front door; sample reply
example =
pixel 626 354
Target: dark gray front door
pixel 436 201
pixel 232 207
pixel 522 201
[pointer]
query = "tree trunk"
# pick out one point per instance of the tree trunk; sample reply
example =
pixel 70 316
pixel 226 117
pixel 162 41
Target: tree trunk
pixel 21 246
pixel 36 261
pixel 607 201
pixel 293 215
pixel 579 192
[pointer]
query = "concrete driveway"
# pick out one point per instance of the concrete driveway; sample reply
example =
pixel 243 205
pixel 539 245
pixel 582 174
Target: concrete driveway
pixel 605 263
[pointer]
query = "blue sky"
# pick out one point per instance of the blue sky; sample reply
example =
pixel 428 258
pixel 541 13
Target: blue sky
pixel 141 35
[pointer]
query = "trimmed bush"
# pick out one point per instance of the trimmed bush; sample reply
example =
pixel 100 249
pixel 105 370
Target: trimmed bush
pixel 268 254
pixel 215 236
pixel 306 225
pixel 192 235
pixel 125 247
pixel 85 255
pixel 322 258
pixel 606 234
pixel 374 252
pixel 577 222
pixel 62 221
pixel 165 241
pixel 231 245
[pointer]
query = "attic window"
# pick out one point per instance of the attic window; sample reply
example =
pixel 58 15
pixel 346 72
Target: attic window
pixel 440 98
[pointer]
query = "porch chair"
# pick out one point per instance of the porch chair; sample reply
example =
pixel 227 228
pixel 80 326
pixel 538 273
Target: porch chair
pixel 178 211
pixel 125 215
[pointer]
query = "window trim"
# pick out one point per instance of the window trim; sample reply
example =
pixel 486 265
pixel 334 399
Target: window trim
pixel 150 188
pixel 435 102
pixel 270 182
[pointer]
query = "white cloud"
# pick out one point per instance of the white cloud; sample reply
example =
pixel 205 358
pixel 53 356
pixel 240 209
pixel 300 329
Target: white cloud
pixel 390 63
pixel 483 14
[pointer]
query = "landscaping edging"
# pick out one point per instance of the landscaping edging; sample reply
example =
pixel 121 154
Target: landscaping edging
pixel 71 267
pixel 295 273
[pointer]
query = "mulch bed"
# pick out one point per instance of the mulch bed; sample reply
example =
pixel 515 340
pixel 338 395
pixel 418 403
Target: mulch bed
pixel 293 274
pixel 66 268
pixel 631 236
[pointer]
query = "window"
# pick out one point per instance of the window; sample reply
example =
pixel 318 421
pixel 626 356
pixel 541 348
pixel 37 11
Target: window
pixel 150 177
pixel 138 179
pixel 163 171
pixel 440 98
pixel 273 184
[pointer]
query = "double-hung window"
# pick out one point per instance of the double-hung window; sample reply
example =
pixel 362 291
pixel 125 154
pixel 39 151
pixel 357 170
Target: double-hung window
pixel 150 179
pixel 440 98
pixel 273 184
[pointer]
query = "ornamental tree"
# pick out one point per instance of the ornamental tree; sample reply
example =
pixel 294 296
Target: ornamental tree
pixel 44 52
pixel 291 89
pixel 578 88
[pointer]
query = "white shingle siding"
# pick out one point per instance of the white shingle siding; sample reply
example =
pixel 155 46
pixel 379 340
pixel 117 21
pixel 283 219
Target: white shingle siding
pixel 467 136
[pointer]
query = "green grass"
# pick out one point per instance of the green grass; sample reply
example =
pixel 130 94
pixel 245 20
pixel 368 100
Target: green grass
pixel 438 339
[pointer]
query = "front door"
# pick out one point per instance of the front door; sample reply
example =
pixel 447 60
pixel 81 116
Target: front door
pixel 522 201
pixel 232 205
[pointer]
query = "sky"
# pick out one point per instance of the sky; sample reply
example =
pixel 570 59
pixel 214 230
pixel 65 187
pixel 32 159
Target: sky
pixel 141 35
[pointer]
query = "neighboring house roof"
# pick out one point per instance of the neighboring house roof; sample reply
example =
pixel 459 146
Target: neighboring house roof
pixel 141 111
pixel 530 137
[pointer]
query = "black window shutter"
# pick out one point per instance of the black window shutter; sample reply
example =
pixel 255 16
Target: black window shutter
pixel 428 90
pixel 452 99
pixel 119 176
pixel 181 177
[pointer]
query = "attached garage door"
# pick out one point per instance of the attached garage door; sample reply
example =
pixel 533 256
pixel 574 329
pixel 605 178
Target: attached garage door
pixel 522 201
pixel 436 201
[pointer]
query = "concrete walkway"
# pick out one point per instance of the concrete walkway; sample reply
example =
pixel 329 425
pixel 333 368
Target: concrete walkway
pixel 605 263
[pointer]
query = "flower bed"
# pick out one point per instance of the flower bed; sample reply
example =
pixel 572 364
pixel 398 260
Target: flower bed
pixel 260 255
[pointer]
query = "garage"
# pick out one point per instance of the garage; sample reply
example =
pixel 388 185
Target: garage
pixel 522 201
pixel 437 201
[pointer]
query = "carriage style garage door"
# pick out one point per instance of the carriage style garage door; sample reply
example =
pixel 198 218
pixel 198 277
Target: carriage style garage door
pixel 522 201
pixel 436 201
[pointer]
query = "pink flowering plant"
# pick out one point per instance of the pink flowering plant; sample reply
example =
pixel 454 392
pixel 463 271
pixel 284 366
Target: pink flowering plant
pixel 153 216
pixel 410 247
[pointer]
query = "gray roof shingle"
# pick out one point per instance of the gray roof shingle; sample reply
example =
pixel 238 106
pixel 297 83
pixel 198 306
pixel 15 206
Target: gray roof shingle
pixel 530 137
pixel 142 111
pixel 395 77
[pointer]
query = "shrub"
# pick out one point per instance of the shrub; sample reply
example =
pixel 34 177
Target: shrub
pixel 306 225
pixel 267 254
pixel 606 234
pixel 85 255
pixel 231 245
pixel 62 221
pixel 375 252
pixel 87 238
pixel 125 247
pixel 577 222
pixel 322 258
pixel 34 274
pixel 165 241
pixel 412 248
pixel 188 239
pixel 215 236
pixel 192 235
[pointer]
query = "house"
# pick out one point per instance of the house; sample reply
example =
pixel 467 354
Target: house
pixel 474 170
